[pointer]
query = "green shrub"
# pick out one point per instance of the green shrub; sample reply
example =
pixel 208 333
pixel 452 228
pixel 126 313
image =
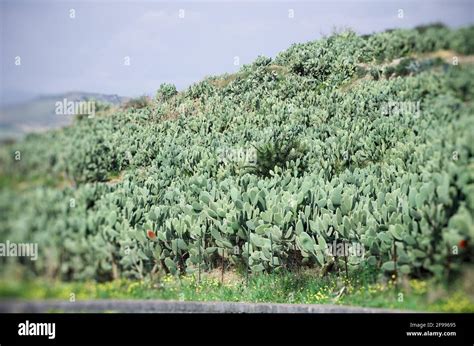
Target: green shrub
pixel 138 103
pixel 130 196
pixel 280 152
pixel 166 92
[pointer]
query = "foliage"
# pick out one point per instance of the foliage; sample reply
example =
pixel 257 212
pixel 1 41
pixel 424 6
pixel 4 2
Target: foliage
pixel 332 166
pixel 166 92
pixel 138 102
pixel 299 288
pixel 281 151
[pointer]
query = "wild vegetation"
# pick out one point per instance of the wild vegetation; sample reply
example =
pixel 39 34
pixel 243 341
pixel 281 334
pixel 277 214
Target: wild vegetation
pixel 289 288
pixel 358 140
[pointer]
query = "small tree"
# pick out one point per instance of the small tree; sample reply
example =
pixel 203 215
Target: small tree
pixel 165 92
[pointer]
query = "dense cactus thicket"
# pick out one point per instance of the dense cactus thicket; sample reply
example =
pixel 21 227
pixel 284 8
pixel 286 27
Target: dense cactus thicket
pixel 263 168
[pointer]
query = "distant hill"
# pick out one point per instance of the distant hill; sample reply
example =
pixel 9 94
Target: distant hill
pixel 37 115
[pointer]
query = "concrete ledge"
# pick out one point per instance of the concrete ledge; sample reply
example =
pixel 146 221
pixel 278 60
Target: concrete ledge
pixel 160 306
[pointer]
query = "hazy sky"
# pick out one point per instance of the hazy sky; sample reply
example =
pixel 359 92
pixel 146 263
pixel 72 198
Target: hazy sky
pixel 88 52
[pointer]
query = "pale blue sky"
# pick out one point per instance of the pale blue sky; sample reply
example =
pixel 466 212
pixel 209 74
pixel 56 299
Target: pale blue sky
pixel 60 54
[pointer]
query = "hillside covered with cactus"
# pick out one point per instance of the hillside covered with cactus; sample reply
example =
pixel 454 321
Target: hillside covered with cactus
pixel 358 140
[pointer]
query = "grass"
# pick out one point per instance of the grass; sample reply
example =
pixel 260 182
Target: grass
pixel 301 288
pixel 18 182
